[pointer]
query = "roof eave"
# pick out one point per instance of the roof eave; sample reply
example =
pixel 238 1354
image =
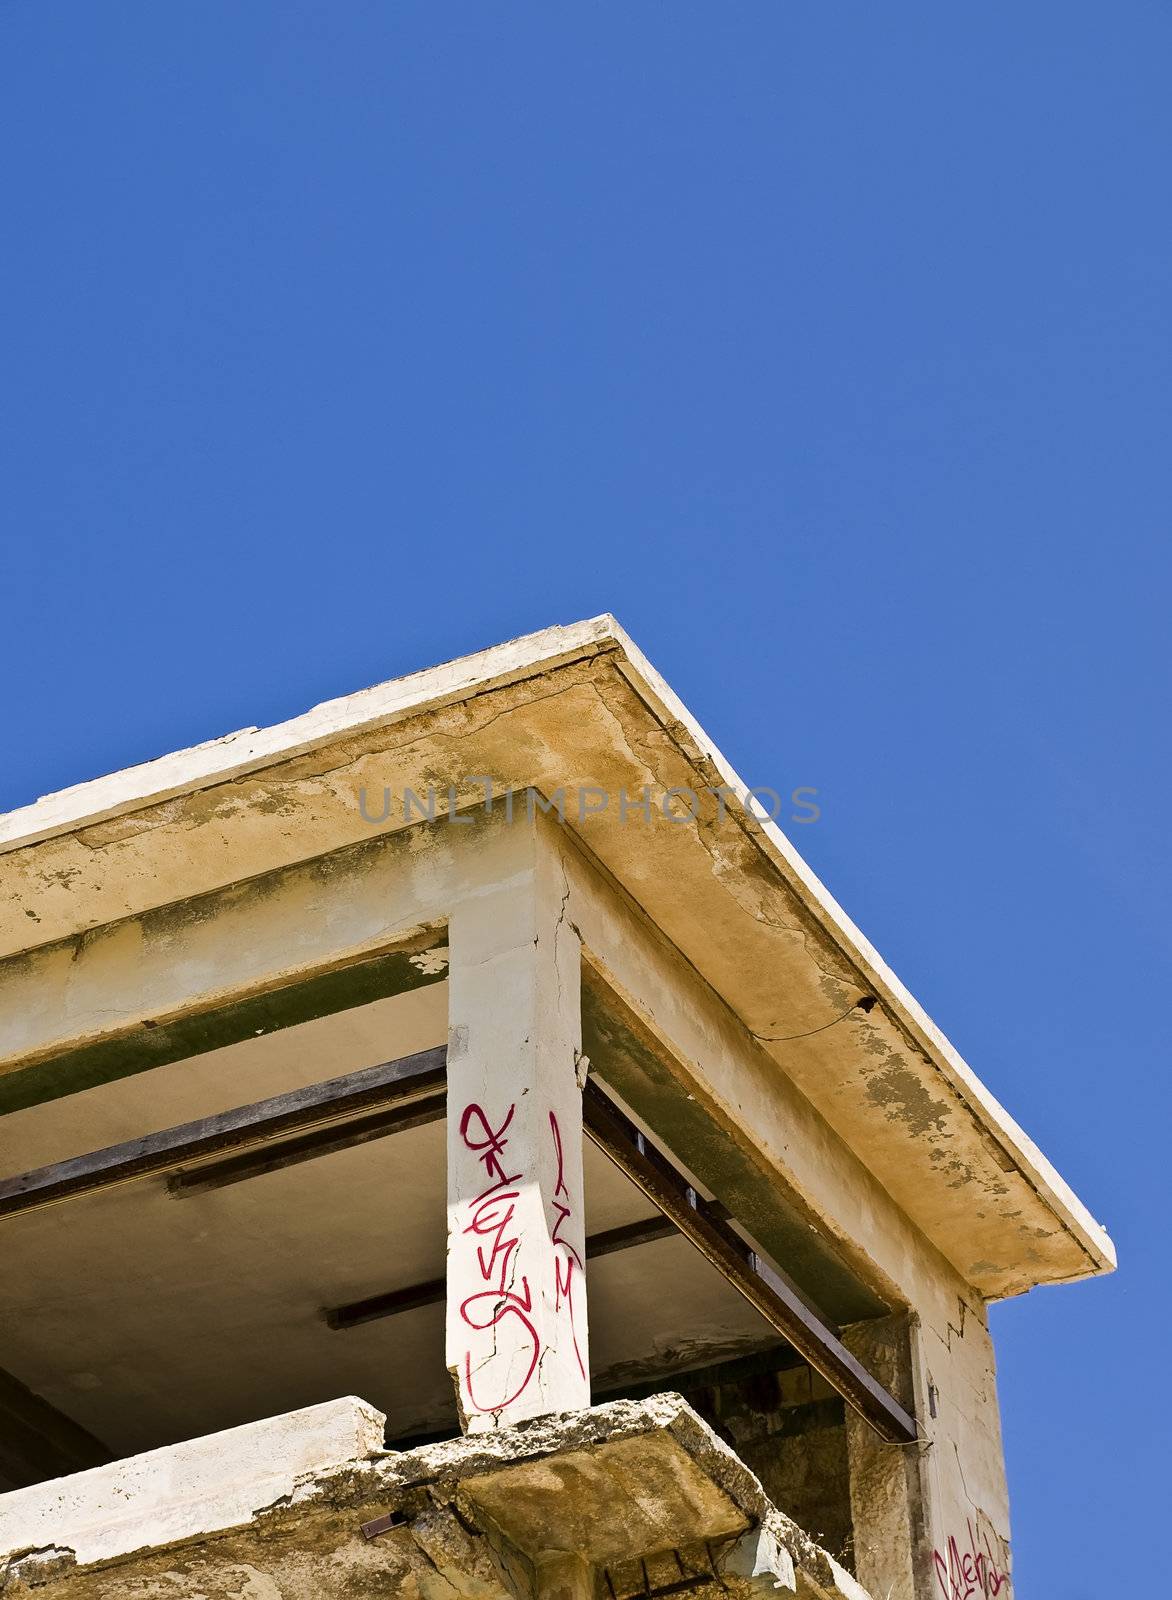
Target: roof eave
pixel 252 750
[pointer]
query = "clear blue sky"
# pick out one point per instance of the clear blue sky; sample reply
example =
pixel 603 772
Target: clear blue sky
pixel 828 345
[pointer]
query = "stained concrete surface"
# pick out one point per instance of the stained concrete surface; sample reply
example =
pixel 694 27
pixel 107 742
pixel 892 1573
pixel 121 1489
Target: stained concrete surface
pixel 642 1495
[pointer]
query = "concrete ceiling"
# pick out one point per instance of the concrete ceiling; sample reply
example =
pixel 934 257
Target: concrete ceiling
pixel 148 1319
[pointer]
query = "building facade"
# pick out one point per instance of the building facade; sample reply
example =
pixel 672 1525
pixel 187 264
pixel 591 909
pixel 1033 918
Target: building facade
pixel 452 1145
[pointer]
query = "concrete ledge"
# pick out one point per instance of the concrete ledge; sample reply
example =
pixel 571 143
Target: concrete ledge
pixel 622 1484
pixel 631 1499
pixel 187 1490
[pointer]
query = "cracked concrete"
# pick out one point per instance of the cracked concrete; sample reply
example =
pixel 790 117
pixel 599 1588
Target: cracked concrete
pixel 185 889
pixel 573 707
pixel 492 1517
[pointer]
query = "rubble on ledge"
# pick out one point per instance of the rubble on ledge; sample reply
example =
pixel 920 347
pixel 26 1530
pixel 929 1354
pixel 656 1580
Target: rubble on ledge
pixel 627 1500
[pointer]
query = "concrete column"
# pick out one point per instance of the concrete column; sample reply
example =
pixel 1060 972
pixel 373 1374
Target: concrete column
pixel 892 1554
pixel 516 1307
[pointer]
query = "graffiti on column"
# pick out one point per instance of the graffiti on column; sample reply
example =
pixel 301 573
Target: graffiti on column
pixel 505 1301
pixel 566 1260
pixel 965 1571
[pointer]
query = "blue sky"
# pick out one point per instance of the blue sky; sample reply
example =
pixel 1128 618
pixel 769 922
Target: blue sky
pixel 826 345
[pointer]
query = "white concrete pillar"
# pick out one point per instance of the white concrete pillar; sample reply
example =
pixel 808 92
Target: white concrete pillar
pixel 516 1306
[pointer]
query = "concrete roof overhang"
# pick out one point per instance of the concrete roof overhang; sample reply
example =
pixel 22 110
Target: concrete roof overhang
pixel 577 708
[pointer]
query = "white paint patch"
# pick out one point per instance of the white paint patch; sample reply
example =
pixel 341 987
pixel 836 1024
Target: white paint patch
pixel 190 1489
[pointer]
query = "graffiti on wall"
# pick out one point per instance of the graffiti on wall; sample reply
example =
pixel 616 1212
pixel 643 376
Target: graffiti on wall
pixel 968 1570
pixel 505 1298
pixel 566 1261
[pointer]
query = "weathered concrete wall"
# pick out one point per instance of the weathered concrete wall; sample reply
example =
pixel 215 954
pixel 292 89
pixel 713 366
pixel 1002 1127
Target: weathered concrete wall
pixel 311 916
pixel 617 1500
pixel 571 711
pixel 960 1462
pixel 238 942
pixel 892 1553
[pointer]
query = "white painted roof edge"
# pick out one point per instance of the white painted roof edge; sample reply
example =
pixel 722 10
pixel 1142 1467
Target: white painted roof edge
pixel 1005 1131
pixel 251 749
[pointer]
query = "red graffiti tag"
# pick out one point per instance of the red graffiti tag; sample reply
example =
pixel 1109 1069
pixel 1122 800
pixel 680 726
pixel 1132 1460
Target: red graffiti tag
pixel 564 1265
pixel 967 1572
pixel 492 1225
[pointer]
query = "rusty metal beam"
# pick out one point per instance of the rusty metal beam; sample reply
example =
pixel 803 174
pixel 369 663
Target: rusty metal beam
pixel 750 1274
pixel 396 1084
pixel 406 1093
pixel 393 1301
pixel 308 1146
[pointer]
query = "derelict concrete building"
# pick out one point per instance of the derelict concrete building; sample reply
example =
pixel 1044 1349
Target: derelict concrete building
pixel 570 1126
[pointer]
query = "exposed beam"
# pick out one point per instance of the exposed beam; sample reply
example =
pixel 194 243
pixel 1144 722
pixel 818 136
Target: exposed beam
pixel 417 1083
pixel 387 1304
pixel 651 1077
pixel 156 1042
pixel 814 1339
pixel 629 1234
pixel 308 1146
pixel 37 1441
pixel 317 1106
pixel 393 1301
